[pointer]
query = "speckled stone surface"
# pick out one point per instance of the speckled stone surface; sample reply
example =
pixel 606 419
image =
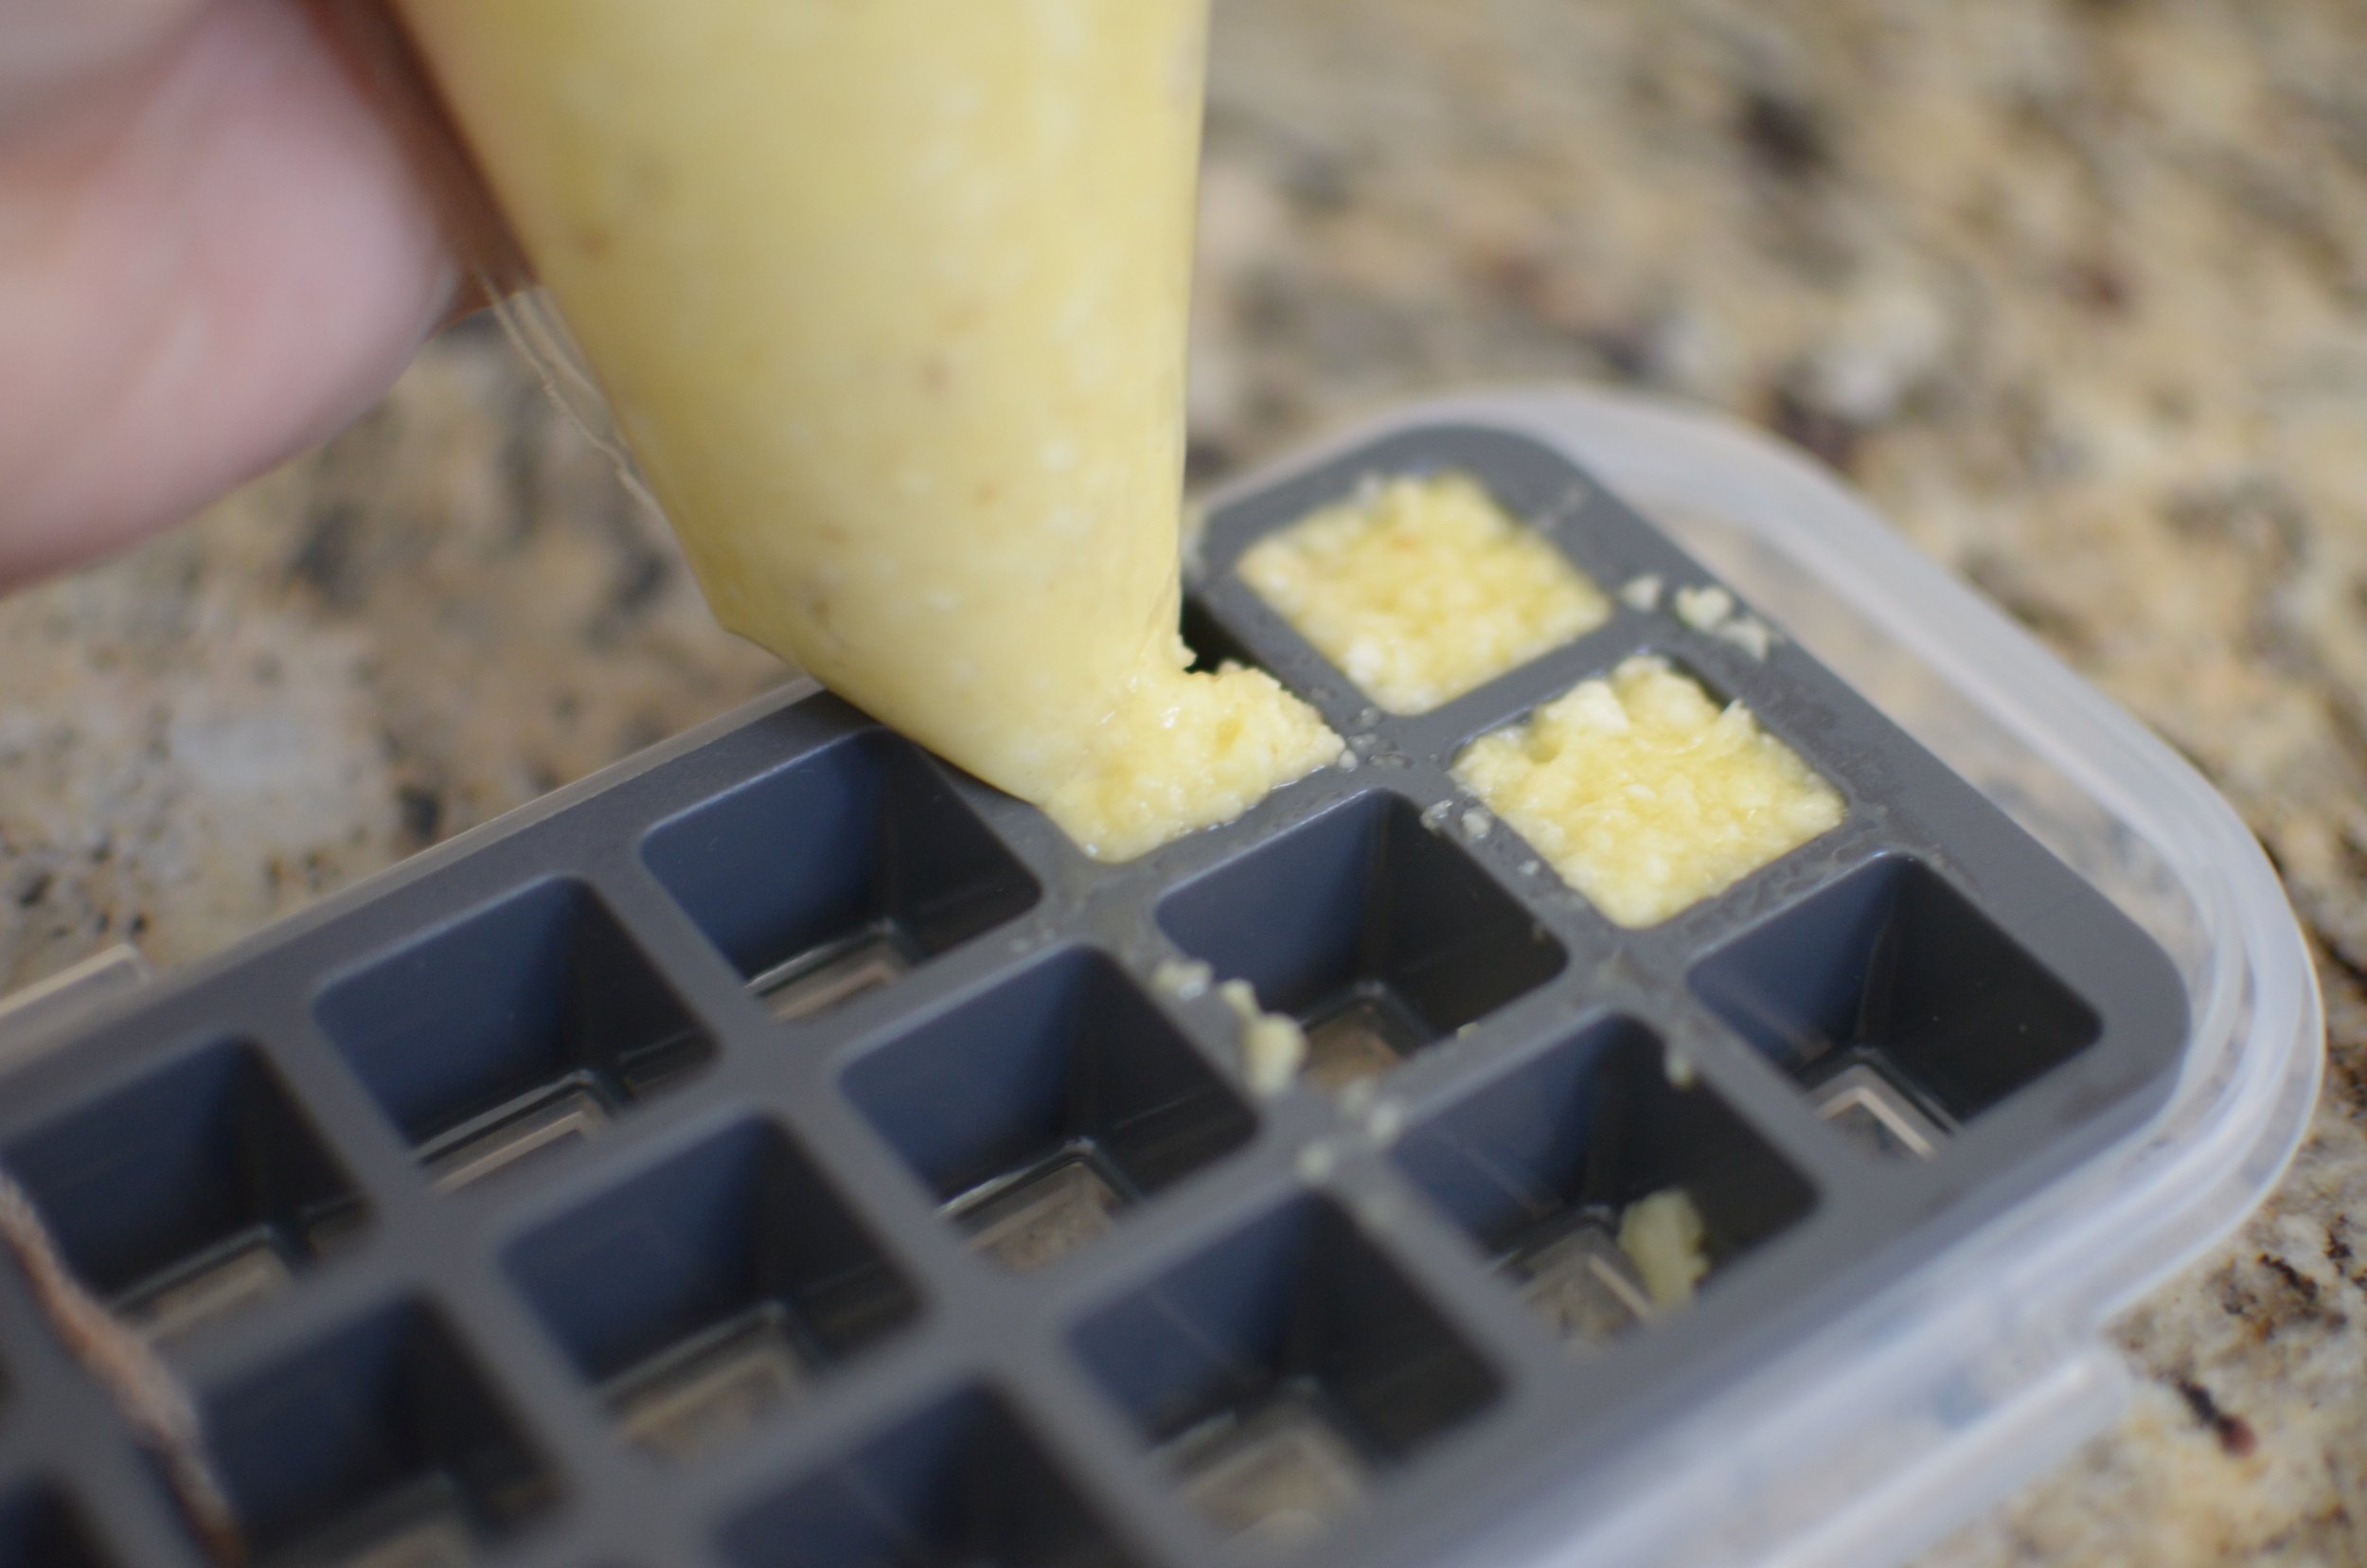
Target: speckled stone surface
pixel 2077 291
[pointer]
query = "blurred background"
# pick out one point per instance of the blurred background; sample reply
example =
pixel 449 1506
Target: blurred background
pixel 2076 290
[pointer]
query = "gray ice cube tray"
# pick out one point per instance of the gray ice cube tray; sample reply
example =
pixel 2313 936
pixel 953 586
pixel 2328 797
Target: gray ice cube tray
pixel 781 1148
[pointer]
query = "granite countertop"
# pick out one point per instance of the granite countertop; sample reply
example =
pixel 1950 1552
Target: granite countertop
pixel 2076 290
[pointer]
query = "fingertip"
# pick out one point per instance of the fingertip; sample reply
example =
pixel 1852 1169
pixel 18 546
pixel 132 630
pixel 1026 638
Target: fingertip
pixel 250 266
pixel 52 51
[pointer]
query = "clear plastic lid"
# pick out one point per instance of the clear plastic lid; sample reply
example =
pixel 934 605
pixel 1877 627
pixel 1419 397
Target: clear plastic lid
pixel 1989 1364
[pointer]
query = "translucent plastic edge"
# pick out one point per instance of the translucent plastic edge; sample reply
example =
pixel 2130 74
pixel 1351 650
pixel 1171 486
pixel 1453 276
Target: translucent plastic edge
pixel 530 319
pixel 2004 1333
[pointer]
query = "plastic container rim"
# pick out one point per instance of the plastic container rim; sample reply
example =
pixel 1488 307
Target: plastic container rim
pixel 2035 1289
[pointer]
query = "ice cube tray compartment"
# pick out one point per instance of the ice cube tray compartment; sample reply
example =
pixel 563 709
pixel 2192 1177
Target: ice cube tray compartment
pixel 1293 1347
pixel 190 1192
pixel 1540 1163
pixel 522 1029
pixel 830 877
pixel 783 1147
pixel 39 1529
pixel 960 1483
pixel 380 1442
pixel 1379 936
pixel 1039 1110
pixel 701 1296
pixel 1893 972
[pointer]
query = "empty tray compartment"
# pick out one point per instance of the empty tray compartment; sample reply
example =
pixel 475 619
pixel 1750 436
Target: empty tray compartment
pixel 381 1444
pixel 518 1031
pixel 190 1193
pixel 1377 933
pixel 1283 1370
pixel 1040 1110
pixel 39 1529
pixel 960 1485
pixel 707 1293
pixel 1544 1164
pixel 1901 1006
pixel 831 875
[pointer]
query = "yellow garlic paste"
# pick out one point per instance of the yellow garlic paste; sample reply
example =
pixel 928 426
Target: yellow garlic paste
pixel 1421 588
pixel 890 298
pixel 1663 1236
pixel 1645 794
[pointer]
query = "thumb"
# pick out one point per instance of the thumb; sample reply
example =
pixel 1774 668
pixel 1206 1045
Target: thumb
pixel 52 48
pixel 379 57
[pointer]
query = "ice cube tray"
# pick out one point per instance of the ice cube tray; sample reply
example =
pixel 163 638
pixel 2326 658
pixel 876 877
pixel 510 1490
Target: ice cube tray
pixel 780 1149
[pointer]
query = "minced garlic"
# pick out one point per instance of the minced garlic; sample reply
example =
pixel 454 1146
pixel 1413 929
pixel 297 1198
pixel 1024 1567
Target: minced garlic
pixel 1421 588
pixel 1645 794
pixel 1662 1235
pixel 1273 1047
